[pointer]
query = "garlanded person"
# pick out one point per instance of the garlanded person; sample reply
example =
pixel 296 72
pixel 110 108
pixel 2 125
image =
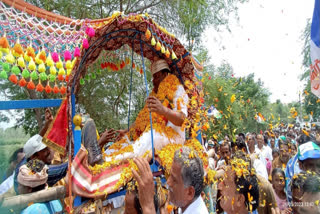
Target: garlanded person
pixel 33 177
pixel 308 159
pixel 168 106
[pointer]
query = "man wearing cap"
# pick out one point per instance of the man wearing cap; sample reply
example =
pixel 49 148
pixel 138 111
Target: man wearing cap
pixel 174 115
pixel 293 167
pixel 309 157
pixel 160 70
pixel 35 149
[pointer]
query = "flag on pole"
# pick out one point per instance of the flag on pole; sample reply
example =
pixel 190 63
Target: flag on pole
pixel 212 111
pixel 57 133
pixel 260 118
pixel 315 50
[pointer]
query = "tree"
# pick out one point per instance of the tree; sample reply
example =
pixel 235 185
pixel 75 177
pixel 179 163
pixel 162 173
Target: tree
pixel 186 19
pixel 111 92
pixel 310 100
pixel 305 37
pixel 237 99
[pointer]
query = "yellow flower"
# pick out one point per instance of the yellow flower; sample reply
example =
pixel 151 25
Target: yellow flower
pixel 166 91
pixel 233 98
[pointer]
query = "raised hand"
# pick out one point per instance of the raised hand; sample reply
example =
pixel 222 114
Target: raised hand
pixel 48 115
pixel 107 136
pixel 121 133
pixel 154 105
pixel 145 185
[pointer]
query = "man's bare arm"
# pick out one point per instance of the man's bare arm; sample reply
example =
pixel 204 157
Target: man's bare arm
pixel 154 105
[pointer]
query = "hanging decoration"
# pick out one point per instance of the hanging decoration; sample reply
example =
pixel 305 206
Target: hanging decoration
pixel 37 53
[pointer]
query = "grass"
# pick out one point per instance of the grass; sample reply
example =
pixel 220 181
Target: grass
pixel 10 140
pixel 5 152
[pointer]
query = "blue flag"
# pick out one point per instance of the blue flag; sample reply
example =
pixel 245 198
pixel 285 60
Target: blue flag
pixel 315 50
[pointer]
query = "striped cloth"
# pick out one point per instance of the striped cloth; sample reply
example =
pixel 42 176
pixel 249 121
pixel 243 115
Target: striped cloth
pixel 85 184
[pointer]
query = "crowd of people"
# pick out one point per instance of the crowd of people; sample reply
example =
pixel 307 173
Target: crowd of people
pixel 286 163
pixel 268 173
pixel 257 173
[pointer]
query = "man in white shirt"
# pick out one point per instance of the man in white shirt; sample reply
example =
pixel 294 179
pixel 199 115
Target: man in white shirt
pixel 265 150
pixel 259 163
pixel 174 115
pixel 225 151
pixel 185 183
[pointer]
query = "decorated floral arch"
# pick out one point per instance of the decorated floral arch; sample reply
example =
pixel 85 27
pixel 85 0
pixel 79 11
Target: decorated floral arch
pixel 51 54
pixel 145 37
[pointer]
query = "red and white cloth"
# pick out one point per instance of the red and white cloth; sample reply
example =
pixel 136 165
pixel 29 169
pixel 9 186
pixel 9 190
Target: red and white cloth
pixel 85 184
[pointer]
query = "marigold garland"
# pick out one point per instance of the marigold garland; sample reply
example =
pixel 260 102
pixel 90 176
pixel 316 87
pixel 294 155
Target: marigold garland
pixel 166 91
pixel 166 154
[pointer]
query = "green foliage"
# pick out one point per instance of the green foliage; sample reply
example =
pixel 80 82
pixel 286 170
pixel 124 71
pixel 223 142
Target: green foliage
pixel 310 100
pixel 305 37
pixel 12 135
pixel 278 112
pixel 238 99
pixel 106 98
pixel 10 140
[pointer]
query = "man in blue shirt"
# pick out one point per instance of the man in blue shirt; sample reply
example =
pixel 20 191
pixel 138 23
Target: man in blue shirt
pixel 294 166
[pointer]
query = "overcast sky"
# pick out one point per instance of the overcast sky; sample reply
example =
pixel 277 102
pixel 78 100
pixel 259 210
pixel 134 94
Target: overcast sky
pixel 265 41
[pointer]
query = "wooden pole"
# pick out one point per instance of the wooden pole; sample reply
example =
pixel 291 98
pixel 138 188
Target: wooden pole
pixel 20 202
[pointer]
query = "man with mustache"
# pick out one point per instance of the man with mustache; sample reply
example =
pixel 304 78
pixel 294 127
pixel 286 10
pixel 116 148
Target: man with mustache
pixel 185 183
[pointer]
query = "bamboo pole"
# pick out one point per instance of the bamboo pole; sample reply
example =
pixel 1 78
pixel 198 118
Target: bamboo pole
pixel 20 202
